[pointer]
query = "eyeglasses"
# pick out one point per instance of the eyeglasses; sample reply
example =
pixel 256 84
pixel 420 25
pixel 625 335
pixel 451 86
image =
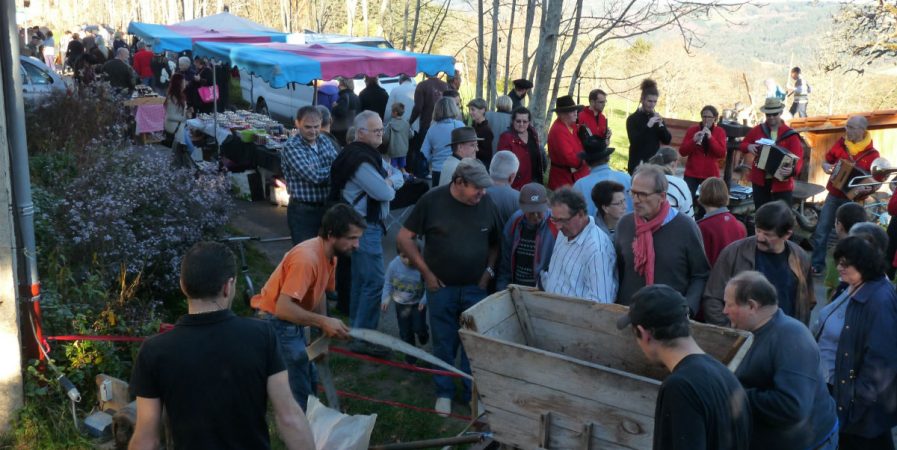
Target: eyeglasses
pixel 641 195
pixel 843 263
pixel 377 131
pixel 619 203
pixel 560 221
pixel 521 121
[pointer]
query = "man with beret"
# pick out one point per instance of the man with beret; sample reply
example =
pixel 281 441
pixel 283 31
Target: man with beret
pixel 461 227
pixel 700 405
pixel 521 89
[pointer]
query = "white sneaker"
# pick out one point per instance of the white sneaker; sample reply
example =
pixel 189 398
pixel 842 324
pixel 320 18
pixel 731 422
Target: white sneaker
pixel 444 406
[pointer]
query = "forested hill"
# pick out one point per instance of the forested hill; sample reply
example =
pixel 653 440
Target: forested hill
pixel 771 33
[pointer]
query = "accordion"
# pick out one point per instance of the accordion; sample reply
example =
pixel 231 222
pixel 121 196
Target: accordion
pixel 772 157
pixel 843 172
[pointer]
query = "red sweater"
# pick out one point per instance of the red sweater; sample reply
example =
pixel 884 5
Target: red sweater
pixel 511 142
pixel 791 143
pixel 597 123
pixel 564 148
pixel 142 63
pixel 863 161
pixel 703 158
pixel 718 231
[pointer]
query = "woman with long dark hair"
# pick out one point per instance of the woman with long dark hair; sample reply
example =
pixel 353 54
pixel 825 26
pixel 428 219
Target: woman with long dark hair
pixel 523 141
pixel 203 77
pixel 176 111
pixel 645 127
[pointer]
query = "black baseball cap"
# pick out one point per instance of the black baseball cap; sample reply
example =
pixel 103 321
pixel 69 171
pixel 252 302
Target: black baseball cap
pixel 655 306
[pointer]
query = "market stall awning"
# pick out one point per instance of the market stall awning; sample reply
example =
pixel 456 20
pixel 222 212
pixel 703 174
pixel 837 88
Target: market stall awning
pixel 177 38
pixel 279 63
pixel 225 21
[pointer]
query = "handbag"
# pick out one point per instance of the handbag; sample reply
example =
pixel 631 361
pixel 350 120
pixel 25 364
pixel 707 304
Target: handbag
pixel 208 94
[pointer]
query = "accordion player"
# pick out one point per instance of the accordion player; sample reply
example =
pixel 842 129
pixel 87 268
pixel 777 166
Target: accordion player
pixel 771 158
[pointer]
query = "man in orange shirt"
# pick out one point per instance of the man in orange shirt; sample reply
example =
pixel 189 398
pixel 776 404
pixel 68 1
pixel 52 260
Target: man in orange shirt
pixel 293 297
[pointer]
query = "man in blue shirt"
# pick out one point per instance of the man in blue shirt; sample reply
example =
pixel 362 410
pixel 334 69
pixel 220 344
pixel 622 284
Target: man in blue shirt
pixel 305 162
pixel 597 156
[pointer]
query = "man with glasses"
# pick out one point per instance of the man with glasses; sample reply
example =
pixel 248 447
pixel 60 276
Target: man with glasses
pixel 779 185
pixel 582 260
pixel 365 180
pixel 656 244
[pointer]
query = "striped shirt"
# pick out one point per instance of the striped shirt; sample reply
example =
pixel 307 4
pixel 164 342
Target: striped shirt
pixel 583 267
pixel 306 168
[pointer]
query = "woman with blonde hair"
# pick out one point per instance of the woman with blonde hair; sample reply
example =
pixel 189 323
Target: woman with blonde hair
pixel 437 143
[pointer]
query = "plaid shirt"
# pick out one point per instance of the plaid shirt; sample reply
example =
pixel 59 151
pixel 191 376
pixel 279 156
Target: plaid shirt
pixel 307 168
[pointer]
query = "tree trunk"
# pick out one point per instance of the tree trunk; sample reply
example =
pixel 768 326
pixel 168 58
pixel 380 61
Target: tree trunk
pixel 508 45
pixel 493 56
pixel 350 15
pixel 438 27
pixel 405 25
pixel 559 75
pixel 416 22
pixel 527 30
pixel 381 28
pixel 544 63
pixel 364 17
pixel 481 54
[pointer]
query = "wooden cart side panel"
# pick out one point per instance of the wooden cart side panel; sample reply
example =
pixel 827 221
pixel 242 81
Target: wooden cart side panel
pixel 569 411
pixel 564 374
pixel 522 432
pixel 489 313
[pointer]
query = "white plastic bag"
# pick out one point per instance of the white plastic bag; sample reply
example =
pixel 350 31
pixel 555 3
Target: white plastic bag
pixel 333 429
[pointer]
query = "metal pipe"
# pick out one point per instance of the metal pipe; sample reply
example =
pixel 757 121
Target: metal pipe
pixel 427 443
pixel 14 109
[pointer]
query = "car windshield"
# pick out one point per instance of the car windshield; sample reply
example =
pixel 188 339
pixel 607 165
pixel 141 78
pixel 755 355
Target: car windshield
pixel 36 75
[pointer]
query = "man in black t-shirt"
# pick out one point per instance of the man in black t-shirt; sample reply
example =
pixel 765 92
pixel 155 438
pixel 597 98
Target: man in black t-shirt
pixel 214 371
pixel 701 405
pixel 461 227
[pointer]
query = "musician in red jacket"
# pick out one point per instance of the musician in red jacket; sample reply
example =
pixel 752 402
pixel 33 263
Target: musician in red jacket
pixel 564 146
pixel 593 117
pixel 768 187
pixel 855 147
pixel 704 145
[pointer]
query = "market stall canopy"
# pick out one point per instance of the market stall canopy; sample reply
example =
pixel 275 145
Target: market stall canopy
pixel 179 37
pixel 279 63
pixel 226 21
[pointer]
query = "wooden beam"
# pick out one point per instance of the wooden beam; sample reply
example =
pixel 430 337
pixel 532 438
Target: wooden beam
pixel 529 335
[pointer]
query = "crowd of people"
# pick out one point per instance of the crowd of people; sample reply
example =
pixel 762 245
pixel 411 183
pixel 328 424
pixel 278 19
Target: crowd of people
pixel 501 211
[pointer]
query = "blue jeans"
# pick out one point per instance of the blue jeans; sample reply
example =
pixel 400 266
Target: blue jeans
pixel 412 322
pixel 367 279
pixel 300 371
pixel 147 81
pixel 824 229
pixel 304 220
pixel 445 307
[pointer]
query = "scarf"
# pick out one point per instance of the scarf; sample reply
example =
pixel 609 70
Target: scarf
pixel 643 244
pixel 854 148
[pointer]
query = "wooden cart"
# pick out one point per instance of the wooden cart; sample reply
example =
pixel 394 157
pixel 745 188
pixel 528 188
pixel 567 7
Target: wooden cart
pixel 554 372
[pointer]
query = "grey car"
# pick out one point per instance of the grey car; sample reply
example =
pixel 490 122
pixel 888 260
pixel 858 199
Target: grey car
pixel 38 81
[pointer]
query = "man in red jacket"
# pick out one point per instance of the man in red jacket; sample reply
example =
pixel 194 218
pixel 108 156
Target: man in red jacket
pixel 779 185
pixel 564 146
pixel 855 147
pixel 593 117
pixel 142 60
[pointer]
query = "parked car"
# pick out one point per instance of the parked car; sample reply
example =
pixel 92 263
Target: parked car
pixel 38 81
pixel 282 104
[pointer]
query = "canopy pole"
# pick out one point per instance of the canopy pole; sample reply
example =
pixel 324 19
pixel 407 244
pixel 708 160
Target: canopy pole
pixel 314 95
pixel 215 111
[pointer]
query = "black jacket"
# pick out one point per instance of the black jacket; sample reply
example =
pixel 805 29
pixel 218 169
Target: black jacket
pixel 644 141
pixel 374 98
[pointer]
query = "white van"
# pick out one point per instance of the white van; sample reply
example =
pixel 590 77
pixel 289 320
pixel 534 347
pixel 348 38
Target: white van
pixel 282 104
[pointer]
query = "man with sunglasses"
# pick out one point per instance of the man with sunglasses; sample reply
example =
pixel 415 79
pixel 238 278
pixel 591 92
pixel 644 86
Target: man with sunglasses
pixel 768 187
pixel 582 260
pixel 655 244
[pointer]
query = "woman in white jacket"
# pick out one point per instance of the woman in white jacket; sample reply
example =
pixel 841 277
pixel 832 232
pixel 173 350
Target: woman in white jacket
pixel 176 111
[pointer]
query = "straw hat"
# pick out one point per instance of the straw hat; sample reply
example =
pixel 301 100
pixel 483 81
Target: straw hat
pixel 772 106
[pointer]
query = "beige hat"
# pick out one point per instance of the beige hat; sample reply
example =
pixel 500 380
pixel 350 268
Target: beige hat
pixel 772 106
pixel 473 171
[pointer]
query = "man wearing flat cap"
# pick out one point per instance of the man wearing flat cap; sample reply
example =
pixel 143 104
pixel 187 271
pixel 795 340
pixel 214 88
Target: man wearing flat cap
pixel 564 146
pixel 461 227
pixel 521 89
pixel 700 405
pixel 779 184
pixel 464 145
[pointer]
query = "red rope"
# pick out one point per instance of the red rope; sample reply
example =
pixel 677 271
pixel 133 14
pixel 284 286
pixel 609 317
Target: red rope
pixel 85 337
pixel 398 405
pixel 398 364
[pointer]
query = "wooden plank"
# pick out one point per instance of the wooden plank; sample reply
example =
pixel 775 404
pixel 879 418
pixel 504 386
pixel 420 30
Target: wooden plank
pixel 586 440
pixel 523 317
pixel 488 312
pixel 507 330
pixel 562 373
pixel 522 432
pixel 743 348
pixel 545 429
pixel 610 422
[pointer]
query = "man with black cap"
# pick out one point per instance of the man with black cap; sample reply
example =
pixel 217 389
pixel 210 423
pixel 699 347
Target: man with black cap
pixel 700 405
pixel 779 185
pixel 460 225
pixel 781 373
pixel 564 146
pixel 521 89
pixel 527 240
pixel 464 145
pixel 596 155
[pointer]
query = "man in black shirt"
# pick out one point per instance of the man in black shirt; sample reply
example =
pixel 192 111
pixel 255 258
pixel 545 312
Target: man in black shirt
pixel 214 371
pixel 790 403
pixel 701 405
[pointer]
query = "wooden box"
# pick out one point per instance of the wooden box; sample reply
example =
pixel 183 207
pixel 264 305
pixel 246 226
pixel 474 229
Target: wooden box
pixel 554 372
